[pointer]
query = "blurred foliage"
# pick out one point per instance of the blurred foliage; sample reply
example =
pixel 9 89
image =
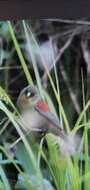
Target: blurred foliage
pixel 68 46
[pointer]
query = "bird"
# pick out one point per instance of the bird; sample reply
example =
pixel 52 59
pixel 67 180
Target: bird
pixel 36 115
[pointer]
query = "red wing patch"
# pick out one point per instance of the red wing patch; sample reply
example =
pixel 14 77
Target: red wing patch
pixel 43 106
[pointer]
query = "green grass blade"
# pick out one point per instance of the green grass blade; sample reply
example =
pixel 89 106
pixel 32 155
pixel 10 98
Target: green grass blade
pixel 12 119
pixel 38 79
pixel 4 179
pixel 22 61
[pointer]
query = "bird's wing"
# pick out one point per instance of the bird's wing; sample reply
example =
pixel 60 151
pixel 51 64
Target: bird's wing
pixel 44 110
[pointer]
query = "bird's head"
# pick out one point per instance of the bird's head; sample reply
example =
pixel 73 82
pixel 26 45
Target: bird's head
pixel 28 98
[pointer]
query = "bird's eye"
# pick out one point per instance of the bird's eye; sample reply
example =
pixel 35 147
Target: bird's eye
pixel 29 94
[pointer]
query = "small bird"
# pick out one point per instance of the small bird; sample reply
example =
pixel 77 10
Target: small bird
pixel 36 113
pixel 37 116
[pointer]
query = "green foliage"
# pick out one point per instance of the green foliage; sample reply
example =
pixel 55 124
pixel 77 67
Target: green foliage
pixel 61 170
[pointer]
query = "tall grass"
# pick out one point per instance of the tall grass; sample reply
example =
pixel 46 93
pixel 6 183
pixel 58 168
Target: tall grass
pixel 61 171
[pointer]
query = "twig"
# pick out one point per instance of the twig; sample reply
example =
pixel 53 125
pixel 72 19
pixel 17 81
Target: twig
pixel 61 51
pixel 4 127
pixel 71 93
pixel 16 142
pixel 62 34
pixel 20 138
pixel 15 78
pixel 66 21
pixel 10 67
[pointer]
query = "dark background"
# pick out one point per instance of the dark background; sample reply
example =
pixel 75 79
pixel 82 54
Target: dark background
pixel 52 8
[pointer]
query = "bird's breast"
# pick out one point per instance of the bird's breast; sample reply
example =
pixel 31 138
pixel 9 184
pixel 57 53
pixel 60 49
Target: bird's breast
pixel 31 120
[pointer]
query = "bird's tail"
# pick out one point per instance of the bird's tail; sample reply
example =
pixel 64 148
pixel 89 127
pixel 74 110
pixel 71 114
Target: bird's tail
pixel 69 143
